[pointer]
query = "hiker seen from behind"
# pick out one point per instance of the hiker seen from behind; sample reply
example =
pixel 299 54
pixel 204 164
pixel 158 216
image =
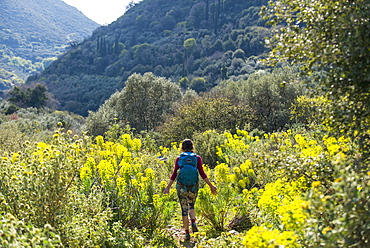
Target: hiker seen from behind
pixel 188 167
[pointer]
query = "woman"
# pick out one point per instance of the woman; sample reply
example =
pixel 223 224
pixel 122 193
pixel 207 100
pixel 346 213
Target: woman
pixel 190 165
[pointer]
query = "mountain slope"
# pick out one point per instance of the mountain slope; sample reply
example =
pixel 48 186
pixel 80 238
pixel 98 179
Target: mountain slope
pixel 33 30
pixel 194 42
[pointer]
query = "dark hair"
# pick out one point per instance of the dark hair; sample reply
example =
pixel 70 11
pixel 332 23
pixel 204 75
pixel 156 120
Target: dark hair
pixel 187 146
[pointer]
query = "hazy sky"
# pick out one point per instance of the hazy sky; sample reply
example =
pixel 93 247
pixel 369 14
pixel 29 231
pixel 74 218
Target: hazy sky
pixel 101 11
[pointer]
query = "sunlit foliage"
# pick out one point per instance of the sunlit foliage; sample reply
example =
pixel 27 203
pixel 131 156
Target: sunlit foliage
pixel 102 192
pixel 329 40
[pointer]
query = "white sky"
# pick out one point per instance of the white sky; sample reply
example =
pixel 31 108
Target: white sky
pixel 101 11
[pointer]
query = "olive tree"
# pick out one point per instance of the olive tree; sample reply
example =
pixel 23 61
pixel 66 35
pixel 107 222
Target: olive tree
pixel 143 103
pixel 269 94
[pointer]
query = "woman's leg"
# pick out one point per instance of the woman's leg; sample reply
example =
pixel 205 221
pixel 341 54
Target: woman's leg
pixel 183 199
pixel 187 197
pixel 185 222
pixel 192 214
pixel 194 194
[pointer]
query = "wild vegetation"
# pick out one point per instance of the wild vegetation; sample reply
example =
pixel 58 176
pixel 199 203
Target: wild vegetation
pixel 291 167
pixel 108 191
pixel 30 39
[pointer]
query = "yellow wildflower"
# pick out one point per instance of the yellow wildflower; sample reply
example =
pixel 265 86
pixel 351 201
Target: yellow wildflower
pixel 99 140
pixel 162 184
pixel 236 170
pixel 134 182
pixel 316 184
pixel 246 165
pixel 242 183
pixel 305 204
pixel 326 229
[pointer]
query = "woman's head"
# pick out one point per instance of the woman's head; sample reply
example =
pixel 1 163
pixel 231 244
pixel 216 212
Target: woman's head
pixel 187 146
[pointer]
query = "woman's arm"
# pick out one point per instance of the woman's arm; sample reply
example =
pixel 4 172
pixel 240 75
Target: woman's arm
pixel 200 167
pixel 204 176
pixel 172 178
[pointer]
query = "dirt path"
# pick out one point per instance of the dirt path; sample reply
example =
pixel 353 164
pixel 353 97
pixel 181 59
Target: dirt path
pixel 178 234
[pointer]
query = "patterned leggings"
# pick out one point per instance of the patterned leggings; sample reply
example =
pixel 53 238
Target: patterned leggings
pixel 187 196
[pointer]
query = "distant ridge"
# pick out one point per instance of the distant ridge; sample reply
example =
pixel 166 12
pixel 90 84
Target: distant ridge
pixel 42 21
pixel 33 30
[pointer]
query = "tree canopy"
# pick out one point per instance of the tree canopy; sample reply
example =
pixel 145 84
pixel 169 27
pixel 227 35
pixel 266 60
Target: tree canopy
pixel 144 102
pixel 330 37
pixel 35 97
pixel 269 95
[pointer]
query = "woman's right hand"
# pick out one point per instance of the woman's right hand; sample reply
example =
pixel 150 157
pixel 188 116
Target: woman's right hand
pixel 167 189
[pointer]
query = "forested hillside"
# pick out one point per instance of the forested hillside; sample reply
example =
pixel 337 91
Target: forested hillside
pixel 195 43
pixel 34 32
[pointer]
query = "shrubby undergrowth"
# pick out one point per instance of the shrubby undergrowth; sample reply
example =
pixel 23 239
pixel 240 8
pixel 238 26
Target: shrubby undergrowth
pixel 294 189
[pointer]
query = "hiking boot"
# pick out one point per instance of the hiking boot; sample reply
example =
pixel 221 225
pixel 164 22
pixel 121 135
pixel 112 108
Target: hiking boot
pixel 194 227
pixel 187 236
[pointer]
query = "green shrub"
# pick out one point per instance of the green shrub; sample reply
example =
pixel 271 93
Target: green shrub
pixel 87 219
pixel 36 181
pixel 206 113
pixel 125 237
pixel 340 215
pixel 206 145
pixel 17 233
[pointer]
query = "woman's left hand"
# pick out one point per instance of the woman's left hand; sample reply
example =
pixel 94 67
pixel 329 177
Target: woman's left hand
pixel 213 189
pixel 166 190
